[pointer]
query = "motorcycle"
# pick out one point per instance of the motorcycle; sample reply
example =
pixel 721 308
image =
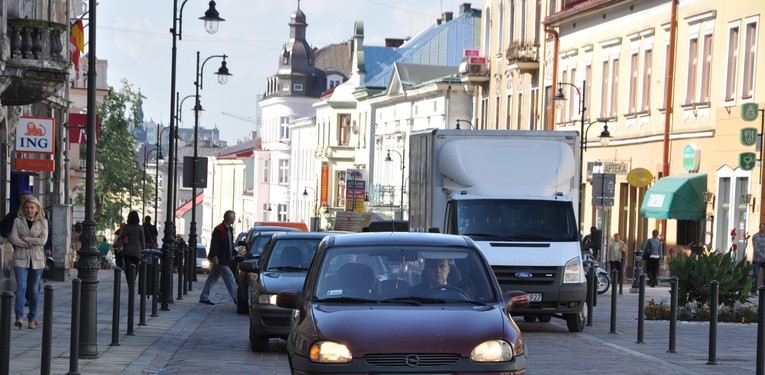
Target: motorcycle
pixel 601 276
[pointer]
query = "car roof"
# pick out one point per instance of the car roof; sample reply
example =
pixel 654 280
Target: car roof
pixel 299 235
pixel 407 238
pixel 273 228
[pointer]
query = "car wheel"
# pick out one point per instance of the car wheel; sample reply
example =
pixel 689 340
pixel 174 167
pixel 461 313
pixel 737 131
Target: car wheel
pixel 575 322
pixel 545 318
pixel 531 318
pixel 242 302
pixel 258 343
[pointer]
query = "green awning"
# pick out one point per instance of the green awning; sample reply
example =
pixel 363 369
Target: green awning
pixel 676 197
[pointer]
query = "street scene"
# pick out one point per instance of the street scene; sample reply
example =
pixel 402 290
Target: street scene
pixel 382 186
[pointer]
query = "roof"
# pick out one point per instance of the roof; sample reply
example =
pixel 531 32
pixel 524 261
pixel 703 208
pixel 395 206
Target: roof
pixel 572 8
pixel 241 150
pixel 186 207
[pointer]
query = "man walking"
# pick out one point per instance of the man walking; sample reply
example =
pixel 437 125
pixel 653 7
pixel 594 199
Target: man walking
pixel 220 257
pixel 758 255
pixel 653 255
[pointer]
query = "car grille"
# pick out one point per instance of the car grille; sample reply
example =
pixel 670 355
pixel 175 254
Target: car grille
pixel 412 360
pixel 276 322
pixel 525 275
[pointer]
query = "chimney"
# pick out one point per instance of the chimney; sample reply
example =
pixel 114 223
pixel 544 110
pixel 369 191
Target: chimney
pixel 448 16
pixel 393 42
pixel 464 8
pixel 439 21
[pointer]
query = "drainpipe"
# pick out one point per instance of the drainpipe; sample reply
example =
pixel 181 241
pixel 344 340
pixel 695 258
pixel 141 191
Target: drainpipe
pixel 668 91
pixel 556 44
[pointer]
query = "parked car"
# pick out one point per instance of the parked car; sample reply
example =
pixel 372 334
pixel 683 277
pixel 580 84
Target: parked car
pixel 364 308
pixel 203 265
pixel 283 265
pixel 256 245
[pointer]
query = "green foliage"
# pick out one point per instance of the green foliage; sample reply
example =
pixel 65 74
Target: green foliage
pixel 697 271
pixel 118 175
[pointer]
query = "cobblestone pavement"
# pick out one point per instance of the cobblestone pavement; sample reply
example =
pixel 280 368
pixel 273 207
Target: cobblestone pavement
pixel 192 338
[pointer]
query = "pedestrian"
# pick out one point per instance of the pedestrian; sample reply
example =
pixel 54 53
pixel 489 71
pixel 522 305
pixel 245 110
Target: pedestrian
pixel 103 249
pixel 653 254
pixel 150 233
pixel 593 241
pixel 28 236
pixel 758 256
pixel 616 253
pixel 221 258
pixel 74 247
pixel 132 247
pixel 5 231
pixel 117 246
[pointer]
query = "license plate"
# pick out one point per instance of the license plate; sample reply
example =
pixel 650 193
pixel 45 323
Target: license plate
pixel 535 297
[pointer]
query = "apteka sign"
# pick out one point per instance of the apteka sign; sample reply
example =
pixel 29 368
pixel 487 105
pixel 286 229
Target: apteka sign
pixel 35 134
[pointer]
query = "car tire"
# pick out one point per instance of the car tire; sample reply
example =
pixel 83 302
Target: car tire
pixel 531 318
pixel 545 318
pixel 258 343
pixel 575 322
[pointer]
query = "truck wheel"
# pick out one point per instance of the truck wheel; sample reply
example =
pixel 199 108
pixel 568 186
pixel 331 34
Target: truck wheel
pixel 575 322
pixel 545 318
pixel 531 318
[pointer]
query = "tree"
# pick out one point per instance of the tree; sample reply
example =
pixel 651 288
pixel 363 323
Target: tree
pixel 118 185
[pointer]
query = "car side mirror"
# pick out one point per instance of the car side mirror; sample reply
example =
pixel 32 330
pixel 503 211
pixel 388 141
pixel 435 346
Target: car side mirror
pixel 434 230
pixel 515 299
pixel 250 265
pixel 241 243
pixel 289 299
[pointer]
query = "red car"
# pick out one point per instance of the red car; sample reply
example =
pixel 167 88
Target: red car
pixel 402 303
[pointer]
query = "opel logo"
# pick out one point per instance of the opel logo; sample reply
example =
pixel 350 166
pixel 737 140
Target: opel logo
pixel 412 360
pixel 523 275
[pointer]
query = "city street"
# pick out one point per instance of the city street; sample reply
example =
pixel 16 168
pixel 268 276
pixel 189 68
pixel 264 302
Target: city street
pixel 193 338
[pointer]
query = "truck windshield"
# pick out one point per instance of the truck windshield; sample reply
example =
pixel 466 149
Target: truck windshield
pixel 515 220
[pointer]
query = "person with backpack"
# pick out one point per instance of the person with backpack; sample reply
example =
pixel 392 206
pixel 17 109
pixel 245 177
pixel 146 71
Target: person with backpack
pixel 133 246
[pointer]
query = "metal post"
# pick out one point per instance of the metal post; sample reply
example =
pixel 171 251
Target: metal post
pixel 142 283
pixel 590 281
pixel 131 298
pixel 760 370
pixel 181 261
pixel 47 334
pixel 641 309
pixel 636 270
pixel 116 307
pixel 614 273
pixel 74 341
pixel 193 227
pixel 714 301
pixel 154 283
pixel 89 263
pixel 673 314
pixel 5 332
pixel 582 148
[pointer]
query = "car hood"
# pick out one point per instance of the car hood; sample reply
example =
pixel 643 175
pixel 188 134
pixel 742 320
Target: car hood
pixel 273 282
pixel 396 329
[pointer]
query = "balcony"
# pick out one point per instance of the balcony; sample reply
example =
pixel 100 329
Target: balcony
pixel 523 57
pixel 38 63
pixel 474 70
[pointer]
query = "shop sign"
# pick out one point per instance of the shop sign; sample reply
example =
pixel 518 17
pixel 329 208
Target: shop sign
pixel 747 160
pixel 748 136
pixel 749 111
pixel 691 158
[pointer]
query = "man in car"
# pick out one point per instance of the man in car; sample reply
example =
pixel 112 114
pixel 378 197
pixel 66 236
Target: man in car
pixel 221 257
pixel 435 274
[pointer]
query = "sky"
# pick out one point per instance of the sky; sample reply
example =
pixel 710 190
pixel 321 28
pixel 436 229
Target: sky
pixel 134 37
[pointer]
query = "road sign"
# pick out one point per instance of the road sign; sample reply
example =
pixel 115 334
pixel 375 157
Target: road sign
pixel 746 160
pixel 748 136
pixel 749 111
pixel 603 187
pixel 639 177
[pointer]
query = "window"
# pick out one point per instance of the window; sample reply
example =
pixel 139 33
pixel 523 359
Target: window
pixel 340 183
pixel 632 104
pixel 604 90
pixel 500 28
pixel 700 39
pixel 730 74
pixel 343 128
pixel 750 54
pixel 266 171
pixel 647 59
pixel 284 171
pixel 706 69
pixel 614 87
pixel 693 56
pixel 573 104
pixel 281 212
pixel 284 130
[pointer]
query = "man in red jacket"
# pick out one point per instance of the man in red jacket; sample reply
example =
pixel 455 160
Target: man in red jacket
pixel 221 257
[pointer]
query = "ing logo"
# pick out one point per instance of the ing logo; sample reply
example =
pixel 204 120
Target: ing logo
pixel 34 130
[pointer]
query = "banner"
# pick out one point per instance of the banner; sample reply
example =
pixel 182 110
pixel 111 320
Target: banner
pixel 78 128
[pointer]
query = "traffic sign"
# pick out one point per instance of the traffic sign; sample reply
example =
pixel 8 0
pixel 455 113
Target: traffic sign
pixel 603 187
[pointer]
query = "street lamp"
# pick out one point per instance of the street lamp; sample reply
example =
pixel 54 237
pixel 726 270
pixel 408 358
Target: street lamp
pixel 388 159
pixel 315 218
pixel 468 122
pixel 212 20
pixel 223 75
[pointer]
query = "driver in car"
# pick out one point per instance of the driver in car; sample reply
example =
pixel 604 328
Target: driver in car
pixel 435 274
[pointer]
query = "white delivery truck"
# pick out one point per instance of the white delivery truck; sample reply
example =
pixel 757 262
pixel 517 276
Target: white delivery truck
pixel 515 193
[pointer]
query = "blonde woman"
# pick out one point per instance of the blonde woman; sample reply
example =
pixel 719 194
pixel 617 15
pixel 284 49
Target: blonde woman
pixel 28 235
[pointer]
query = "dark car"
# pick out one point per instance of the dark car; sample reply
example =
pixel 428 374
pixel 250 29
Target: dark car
pixel 451 317
pixel 257 243
pixel 283 265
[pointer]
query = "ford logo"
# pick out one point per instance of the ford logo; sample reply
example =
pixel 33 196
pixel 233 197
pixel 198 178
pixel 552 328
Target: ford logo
pixel 523 275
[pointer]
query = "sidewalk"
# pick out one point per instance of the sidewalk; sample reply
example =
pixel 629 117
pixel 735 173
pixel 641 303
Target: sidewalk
pixel 141 353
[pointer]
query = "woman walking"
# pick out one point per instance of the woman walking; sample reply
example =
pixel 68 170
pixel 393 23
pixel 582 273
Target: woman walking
pixel 131 249
pixel 28 235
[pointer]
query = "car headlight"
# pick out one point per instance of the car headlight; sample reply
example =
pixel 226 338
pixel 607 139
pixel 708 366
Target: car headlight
pixel 572 272
pixel 205 263
pixel 492 351
pixel 267 299
pixel 330 352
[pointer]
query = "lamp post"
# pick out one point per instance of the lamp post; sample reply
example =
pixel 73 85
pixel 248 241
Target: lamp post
pixel 468 122
pixel 146 154
pixel 223 75
pixel 315 217
pixel 388 159
pixel 212 20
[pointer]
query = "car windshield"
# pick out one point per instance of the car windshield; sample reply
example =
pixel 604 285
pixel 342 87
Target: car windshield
pixel 259 243
pixel 388 274
pixel 516 220
pixel 201 252
pixel 292 254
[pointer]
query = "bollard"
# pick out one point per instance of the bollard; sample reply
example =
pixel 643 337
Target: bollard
pixel 714 296
pixel 131 299
pixel 5 333
pixel 614 273
pixel 760 370
pixel 636 271
pixel 590 281
pixel 116 307
pixel 191 262
pixel 74 341
pixel 641 309
pixel 142 283
pixel 181 257
pixel 673 314
pixel 47 334
pixel 154 288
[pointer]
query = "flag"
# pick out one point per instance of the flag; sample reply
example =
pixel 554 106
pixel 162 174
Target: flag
pixel 77 43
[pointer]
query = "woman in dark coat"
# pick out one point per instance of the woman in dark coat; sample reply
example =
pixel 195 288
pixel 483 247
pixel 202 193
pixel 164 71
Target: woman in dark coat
pixel 131 250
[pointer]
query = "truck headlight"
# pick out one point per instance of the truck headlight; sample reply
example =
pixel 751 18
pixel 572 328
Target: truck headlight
pixel 267 299
pixel 205 263
pixel 572 273
pixel 492 351
pixel 330 352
